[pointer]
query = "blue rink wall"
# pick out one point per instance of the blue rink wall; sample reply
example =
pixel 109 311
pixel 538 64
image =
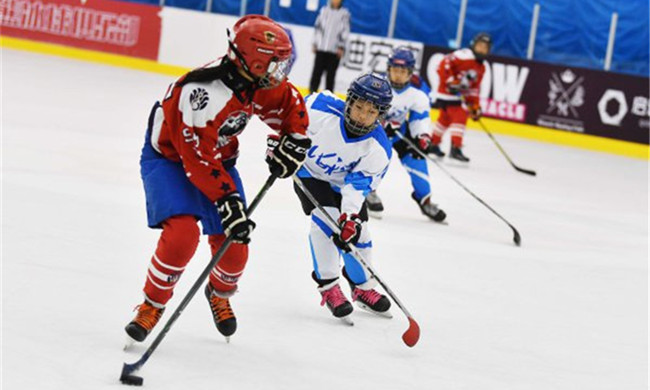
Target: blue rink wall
pixel 570 32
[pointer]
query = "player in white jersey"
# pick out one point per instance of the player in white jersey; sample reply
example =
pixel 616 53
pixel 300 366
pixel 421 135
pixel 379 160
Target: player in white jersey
pixel 348 158
pixel 409 115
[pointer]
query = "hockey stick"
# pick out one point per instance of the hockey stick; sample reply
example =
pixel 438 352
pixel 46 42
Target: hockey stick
pixel 412 334
pixel 516 238
pixel 128 370
pixel 522 170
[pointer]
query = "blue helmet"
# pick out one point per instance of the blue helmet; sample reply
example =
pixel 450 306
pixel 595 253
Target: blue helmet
pixel 402 57
pixel 373 88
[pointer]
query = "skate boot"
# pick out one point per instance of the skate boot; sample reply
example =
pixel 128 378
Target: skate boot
pixel 372 301
pixel 333 297
pixel 457 154
pixel 147 317
pixel 435 150
pixel 224 317
pixel 368 298
pixel 430 209
pixel 375 207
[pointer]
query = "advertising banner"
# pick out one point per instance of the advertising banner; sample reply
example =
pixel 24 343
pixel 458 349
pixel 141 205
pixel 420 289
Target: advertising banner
pixel 109 26
pixel 579 100
pixel 369 53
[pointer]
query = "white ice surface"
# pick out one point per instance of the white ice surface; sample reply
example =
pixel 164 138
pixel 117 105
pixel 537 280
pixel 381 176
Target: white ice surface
pixel 567 310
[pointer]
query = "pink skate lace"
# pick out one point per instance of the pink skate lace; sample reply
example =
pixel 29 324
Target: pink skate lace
pixel 334 296
pixel 367 296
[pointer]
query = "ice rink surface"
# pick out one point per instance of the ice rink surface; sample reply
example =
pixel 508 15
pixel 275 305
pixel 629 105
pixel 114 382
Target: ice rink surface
pixel 567 310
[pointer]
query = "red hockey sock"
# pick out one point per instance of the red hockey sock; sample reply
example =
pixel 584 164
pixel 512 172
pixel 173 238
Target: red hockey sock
pixel 176 246
pixel 457 141
pixel 226 273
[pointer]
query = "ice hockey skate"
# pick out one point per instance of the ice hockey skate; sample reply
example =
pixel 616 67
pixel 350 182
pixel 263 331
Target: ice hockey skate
pixel 436 151
pixel 375 207
pixel 457 154
pixel 147 317
pixel 430 209
pixel 224 317
pixel 372 301
pixel 336 302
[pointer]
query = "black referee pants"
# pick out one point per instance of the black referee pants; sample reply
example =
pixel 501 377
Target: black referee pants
pixel 324 62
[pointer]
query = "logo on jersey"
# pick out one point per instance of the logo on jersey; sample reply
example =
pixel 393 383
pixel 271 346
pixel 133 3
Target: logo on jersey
pixel 199 99
pixel 330 162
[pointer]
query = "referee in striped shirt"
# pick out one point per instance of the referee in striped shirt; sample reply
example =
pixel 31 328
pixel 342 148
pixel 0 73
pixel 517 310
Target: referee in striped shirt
pixel 330 35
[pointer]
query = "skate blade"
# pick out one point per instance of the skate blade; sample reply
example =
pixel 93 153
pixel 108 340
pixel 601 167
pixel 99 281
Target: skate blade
pixel 129 342
pixel 385 314
pixel 376 214
pixel 455 163
pixel 347 320
pixel 227 339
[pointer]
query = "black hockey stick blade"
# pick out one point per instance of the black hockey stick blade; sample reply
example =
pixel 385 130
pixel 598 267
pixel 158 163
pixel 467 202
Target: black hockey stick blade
pixel 498 145
pixel 526 171
pixel 128 377
pixel 412 334
pixel 517 237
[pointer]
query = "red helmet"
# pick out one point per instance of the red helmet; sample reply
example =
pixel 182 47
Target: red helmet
pixel 262 48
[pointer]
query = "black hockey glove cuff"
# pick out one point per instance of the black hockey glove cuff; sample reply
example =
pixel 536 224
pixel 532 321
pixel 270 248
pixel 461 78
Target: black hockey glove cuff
pixel 286 154
pixel 233 218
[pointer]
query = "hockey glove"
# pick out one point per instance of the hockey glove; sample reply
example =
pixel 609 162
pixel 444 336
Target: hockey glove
pixel 390 127
pixel 286 154
pixel 233 218
pixel 424 143
pixel 350 226
pixel 475 112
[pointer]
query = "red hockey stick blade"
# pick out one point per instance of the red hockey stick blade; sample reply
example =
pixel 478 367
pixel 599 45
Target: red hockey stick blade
pixel 412 334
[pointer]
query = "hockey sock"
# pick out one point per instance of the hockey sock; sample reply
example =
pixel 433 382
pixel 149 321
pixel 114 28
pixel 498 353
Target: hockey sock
pixel 226 273
pixel 176 246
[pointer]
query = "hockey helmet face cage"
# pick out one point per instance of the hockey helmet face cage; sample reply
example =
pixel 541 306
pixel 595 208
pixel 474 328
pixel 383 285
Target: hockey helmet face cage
pixel 481 37
pixel 402 57
pixel 371 88
pixel 261 48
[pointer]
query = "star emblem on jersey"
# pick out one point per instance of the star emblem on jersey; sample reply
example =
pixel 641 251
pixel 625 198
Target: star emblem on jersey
pixel 199 99
pixel 215 173
pixel 225 187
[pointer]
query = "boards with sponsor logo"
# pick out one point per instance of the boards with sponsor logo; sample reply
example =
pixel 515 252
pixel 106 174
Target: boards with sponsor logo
pixel 604 104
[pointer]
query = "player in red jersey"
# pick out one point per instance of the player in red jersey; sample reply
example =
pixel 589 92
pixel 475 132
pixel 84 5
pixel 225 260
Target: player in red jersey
pixel 460 74
pixel 188 163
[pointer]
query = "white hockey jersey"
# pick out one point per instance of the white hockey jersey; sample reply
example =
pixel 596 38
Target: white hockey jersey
pixel 412 104
pixel 352 166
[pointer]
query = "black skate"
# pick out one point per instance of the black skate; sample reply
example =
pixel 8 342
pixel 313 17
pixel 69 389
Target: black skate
pixel 457 154
pixel 375 207
pixel 369 299
pixel 430 209
pixel 435 150
pixel 147 317
pixel 372 301
pixel 224 317
pixel 333 297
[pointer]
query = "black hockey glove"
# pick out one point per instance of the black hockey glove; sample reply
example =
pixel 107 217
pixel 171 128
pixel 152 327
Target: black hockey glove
pixel 350 226
pixel 286 154
pixel 391 127
pixel 233 218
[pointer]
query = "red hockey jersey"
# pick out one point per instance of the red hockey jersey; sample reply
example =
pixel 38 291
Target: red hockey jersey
pixel 186 128
pixel 460 69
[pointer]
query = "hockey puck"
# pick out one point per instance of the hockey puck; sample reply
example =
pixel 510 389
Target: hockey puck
pixel 131 380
